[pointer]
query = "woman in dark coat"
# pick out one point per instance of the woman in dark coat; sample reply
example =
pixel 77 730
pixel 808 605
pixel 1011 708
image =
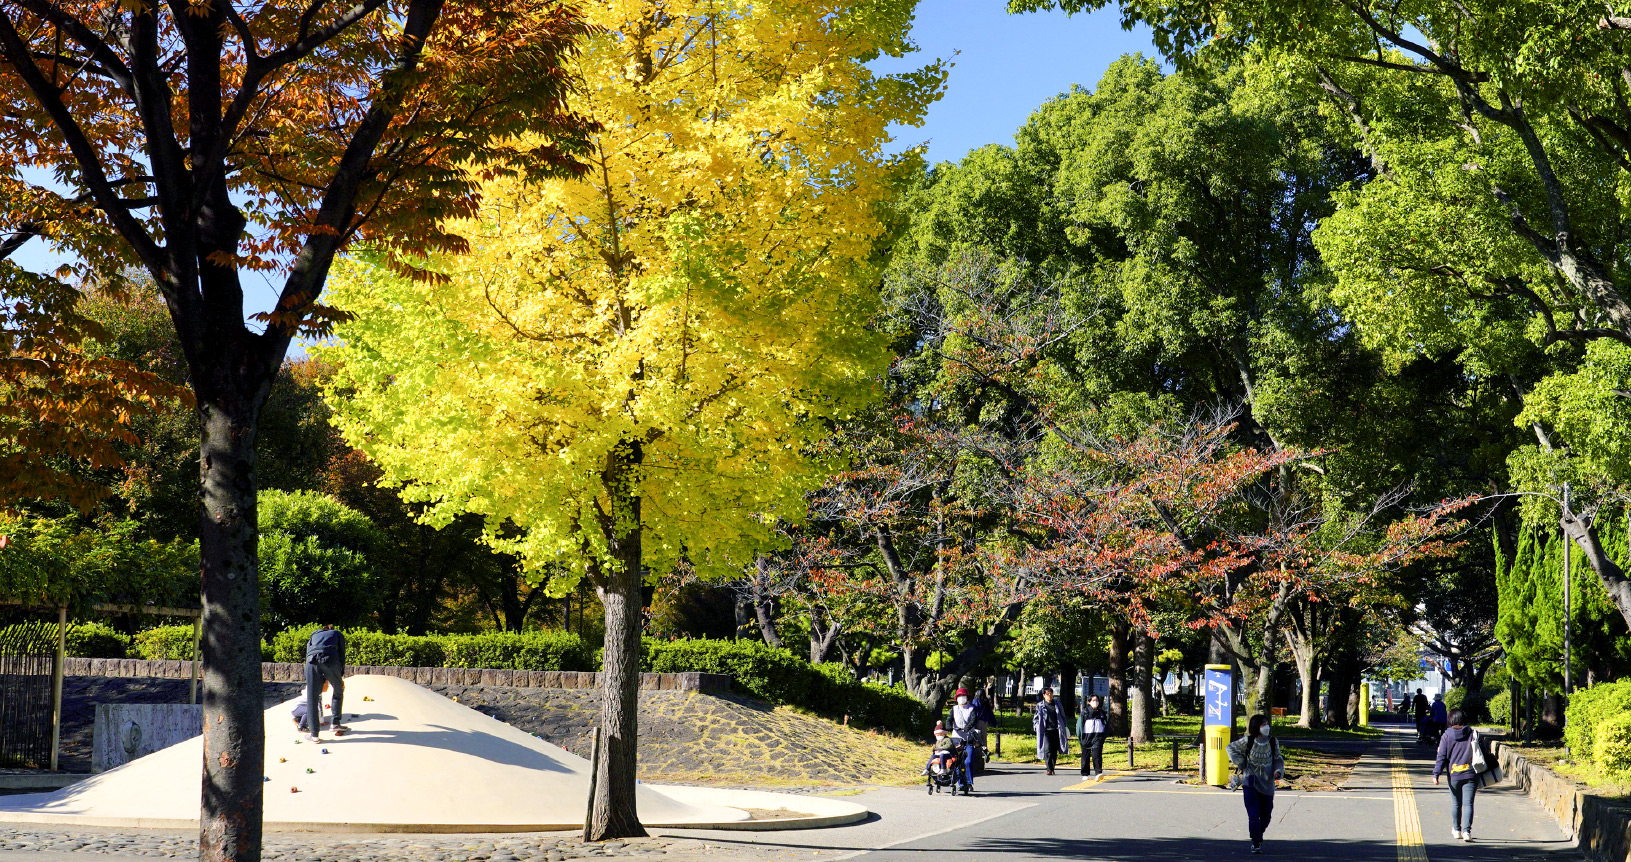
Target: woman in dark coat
pixel 1052 731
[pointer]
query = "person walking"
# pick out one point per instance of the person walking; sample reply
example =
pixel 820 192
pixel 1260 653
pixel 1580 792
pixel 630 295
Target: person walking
pixel 1420 708
pixel 965 728
pixel 1439 713
pixel 1052 730
pixel 1456 751
pixel 1257 756
pixel 1095 722
pixel 325 662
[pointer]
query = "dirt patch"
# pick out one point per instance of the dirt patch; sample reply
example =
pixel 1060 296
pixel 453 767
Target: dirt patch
pixel 1318 770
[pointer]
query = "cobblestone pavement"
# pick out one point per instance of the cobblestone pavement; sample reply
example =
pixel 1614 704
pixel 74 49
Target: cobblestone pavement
pixel 310 847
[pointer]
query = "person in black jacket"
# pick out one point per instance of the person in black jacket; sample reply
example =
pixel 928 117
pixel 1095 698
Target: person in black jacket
pixel 1423 716
pixel 325 662
pixel 1455 755
pixel 1095 722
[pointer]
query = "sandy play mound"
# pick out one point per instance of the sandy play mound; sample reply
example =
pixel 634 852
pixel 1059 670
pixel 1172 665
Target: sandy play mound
pixel 414 761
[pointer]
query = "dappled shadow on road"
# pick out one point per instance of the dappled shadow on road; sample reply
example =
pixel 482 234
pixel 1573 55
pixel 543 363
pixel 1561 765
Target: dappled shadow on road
pixel 1188 849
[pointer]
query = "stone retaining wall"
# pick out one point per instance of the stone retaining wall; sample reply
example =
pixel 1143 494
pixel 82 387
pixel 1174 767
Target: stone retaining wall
pixel 1601 827
pixel 712 683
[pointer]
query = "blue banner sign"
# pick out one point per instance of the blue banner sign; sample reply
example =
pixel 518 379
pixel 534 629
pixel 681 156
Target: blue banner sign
pixel 1220 696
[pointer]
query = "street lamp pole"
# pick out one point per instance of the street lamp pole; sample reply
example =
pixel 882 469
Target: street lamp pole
pixel 1568 679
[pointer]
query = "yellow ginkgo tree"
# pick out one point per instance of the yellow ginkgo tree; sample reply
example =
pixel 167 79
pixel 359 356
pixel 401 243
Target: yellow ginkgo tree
pixel 626 369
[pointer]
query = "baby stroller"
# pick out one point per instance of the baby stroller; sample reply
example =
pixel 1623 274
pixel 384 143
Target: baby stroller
pixel 951 777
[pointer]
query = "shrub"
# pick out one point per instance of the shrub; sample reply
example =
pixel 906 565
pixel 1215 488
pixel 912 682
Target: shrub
pixel 546 650
pixel 315 560
pixel 375 648
pixel 1611 750
pixel 289 645
pixel 97 640
pixel 1475 703
pixel 778 676
pixel 364 647
pixel 1500 708
pixel 1588 708
pixel 758 669
pixel 164 643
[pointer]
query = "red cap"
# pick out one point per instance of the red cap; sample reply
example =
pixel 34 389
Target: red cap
pixel 962 692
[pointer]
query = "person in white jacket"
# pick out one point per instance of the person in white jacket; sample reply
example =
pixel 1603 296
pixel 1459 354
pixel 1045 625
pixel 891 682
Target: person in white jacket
pixel 965 723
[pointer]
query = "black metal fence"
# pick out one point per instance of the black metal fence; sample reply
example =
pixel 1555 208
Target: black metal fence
pixel 28 646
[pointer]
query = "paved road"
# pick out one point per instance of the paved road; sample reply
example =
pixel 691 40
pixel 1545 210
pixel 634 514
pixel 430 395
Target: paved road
pixel 1024 814
pixel 1389 810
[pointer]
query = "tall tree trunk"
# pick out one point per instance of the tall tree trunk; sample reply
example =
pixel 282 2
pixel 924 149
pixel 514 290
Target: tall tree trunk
pixel 1336 693
pixel 613 814
pixel 1141 704
pixel 1067 692
pixel 764 609
pixel 1302 655
pixel 1613 578
pixel 234 717
pixel 1120 643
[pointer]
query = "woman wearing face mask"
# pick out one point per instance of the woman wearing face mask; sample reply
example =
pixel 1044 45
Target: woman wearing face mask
pixel 965 728
pixel 1257 756
pixel 1094 724
pixel 1052 733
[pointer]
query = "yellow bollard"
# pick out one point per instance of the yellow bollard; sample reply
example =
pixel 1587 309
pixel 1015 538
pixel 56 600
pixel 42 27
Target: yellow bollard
pixel 1364 704
pixel 1217 759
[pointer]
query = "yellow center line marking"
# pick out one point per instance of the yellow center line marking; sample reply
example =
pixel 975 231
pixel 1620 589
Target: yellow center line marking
pixel 1406 821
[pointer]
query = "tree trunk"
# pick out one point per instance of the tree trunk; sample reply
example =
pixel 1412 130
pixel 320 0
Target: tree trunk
pixel 1613 578
pixel 764 608
pixel 1067 692
pixel 234 717
pixel 1308 675
pixel 1120 635
pixel 1336 695
pixel 614 814
pixel 1141 703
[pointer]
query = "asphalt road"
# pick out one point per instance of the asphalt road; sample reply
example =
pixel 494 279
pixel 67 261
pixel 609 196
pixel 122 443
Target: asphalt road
pixel 1389 810
pixel 1024 814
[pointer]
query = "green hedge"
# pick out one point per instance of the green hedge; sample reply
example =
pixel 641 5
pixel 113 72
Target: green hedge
pixel 1588 709
pixel 1611 749
pixel 757 669
pixel 97 640
pixel 547 650
pixel 86 640
pixel 162 643
pixel 778 676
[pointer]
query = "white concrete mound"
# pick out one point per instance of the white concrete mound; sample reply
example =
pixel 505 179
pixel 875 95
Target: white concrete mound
pixel 414 761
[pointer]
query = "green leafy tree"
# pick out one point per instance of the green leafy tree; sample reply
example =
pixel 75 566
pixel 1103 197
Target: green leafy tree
pixel 316 561
pixel 1499 131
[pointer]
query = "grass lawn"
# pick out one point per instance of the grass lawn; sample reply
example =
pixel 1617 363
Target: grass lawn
pixel 1285 727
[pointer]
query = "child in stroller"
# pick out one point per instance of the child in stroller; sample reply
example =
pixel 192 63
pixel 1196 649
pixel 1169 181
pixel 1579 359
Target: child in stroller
pixel 946 763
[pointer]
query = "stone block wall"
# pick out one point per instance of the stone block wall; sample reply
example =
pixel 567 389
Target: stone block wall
pixel 710 683
pixel 1601 827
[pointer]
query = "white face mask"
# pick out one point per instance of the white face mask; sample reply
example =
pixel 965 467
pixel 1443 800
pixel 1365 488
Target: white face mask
pixel 962 701
pixel 1264 732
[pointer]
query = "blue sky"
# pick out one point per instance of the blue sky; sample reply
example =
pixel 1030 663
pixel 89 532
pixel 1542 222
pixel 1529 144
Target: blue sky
pixel 1004 66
